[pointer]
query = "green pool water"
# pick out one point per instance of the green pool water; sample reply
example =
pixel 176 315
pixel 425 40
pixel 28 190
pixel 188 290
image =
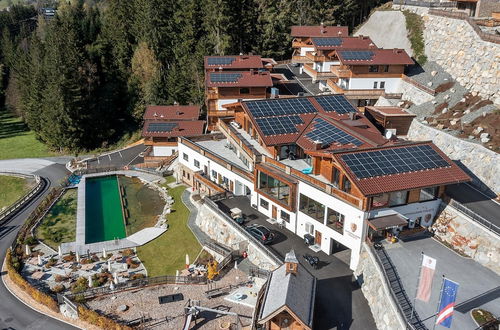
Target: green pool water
pixel 103 210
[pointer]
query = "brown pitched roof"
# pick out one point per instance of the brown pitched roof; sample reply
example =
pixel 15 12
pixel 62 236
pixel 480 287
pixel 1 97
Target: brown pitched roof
pixel 408 180
pixel 241 79
pixel 380 57
pixel 172 112
pixel 178 128
pixel 238 62
pixel 320 31
pixel 360 42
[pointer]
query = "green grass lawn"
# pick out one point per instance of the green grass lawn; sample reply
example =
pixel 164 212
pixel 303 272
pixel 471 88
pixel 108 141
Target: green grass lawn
pixel 17 141
pixel 6 3
pixel 12 189
pixel 167 253
pixel 169 179
pixel 143 203
pixel 59 226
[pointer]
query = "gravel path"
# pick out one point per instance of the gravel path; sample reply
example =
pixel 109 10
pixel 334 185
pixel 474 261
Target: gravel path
pixel 387 29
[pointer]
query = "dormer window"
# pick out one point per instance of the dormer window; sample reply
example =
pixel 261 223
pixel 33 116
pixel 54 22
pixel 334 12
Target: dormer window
pixel 373 68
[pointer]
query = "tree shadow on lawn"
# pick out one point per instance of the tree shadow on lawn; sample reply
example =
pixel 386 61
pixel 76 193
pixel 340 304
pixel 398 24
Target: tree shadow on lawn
pixel 10 125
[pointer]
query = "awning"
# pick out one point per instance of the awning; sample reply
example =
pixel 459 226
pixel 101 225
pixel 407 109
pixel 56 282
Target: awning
pixel 387 222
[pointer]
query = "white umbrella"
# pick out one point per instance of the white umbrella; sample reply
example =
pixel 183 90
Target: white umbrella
pixel 59 251
pixel 77 256
pixel 39 260
pixel 187 260
pixel 28 250
pixel 104 255
pixel 90 281
pixel 115 277
pixel 109 266
pixel 236 265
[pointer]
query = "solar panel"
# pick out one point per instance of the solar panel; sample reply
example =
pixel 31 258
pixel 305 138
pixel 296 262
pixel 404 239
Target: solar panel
pixel 280 107
pixel 325 42
pixel 327 133
pixel 356 55
pixel 224 77
pixel 391 161
pixel 279 125
pixel 161 127
pixel 337 103
pixel 220 60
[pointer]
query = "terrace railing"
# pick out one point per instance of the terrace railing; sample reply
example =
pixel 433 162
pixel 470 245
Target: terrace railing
pixel 474 216
pixel 427 4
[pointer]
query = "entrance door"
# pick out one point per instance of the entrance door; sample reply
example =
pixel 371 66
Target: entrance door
pixel 205 170
pixel 317 238
pixel 275 212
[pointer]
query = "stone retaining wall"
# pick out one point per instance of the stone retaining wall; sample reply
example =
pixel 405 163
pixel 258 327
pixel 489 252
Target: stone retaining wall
pixel 472 62
pixel 377 294
pixel 413 93
pixel 468 238
pixel 482 162
pixel 220 231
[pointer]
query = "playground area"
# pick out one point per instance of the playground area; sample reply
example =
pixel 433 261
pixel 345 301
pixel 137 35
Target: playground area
pixel 164 306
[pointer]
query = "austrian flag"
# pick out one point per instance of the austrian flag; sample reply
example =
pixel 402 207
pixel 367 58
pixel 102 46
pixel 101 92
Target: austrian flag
pixel 447 303
pixel 426 275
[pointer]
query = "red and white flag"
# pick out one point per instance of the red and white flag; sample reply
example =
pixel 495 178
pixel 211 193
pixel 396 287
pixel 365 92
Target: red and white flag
pixel 426 275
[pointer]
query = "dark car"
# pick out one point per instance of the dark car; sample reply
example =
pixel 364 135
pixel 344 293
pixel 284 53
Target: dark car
pixel 239 220
pixel 261 233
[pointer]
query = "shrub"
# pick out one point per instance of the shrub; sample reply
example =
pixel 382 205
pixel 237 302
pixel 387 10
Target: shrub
pixel 132 263
pixel 128 252
pixel 101 321
pixel 57 288
pixel 69 257
pixel 30 240
pixel 50 263
pixel 60 278
pixel 80 285
pixel 100 279
pixel 137 276
pixel 415 28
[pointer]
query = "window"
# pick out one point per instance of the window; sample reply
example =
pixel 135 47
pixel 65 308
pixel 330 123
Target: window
pixel 428 194
pixel 335 220
pixel 214 175
pixel 244 90
pixel 274 188
pixel 386 68
pixel 285 216
pixel 346 185
pixel 375 84
pixel 196 163
pixel 373 68
pixel 398 198
pixel 310 228
pixel 382 84
pixel 264 204
pixel 312 208
pixel 380 200
pixel 336 177
pixel 185 156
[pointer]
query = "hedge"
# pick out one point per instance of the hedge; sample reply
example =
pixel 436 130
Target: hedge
pixel 101 321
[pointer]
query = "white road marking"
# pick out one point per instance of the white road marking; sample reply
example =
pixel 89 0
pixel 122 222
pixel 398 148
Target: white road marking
pixel 120 154
pixel 109 155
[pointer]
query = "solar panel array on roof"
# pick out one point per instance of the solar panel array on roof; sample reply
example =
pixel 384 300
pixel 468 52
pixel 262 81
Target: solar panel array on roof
pixel 327 133
pixel 280 107
pixel 356 55
pixel 391 161
pixel 327 41
pixel 337 103
pixel 161 127
pixel 220 60
pixel 224 77
pixel 279 125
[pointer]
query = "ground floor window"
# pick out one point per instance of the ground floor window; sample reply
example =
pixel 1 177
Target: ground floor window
pixel 264 204
pixel 285 216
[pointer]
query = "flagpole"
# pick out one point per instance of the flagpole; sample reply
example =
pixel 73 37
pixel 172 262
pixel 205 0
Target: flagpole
pixel 416 288
pixel 439 303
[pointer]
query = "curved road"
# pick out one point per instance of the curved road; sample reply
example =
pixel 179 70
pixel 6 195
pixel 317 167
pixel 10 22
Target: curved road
pixel 13 313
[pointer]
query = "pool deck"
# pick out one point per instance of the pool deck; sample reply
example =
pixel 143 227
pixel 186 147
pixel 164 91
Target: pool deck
pixel 137 239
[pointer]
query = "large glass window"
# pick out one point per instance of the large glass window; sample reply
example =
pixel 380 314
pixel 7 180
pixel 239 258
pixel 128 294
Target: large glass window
pixel 346 185
pixel 380 200
pixel 335 220
pixel 398 198
pixel 312 208
pixel 274 188
pixel 428 194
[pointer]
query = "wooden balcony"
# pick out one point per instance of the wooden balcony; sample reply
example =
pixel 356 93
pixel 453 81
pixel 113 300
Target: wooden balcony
pixel 315 58
pixel 220 113
pixel 299 44
pixel 340 71
pixel 300 59
pixel 315 74
pixel 212 96
pixel 359 93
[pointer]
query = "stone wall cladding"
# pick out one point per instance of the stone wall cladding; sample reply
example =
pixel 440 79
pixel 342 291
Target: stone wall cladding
pixel 218 230
pixel 468 238
pixel 376 293
pixel 472 62
pixel 414 94
pixel 484 163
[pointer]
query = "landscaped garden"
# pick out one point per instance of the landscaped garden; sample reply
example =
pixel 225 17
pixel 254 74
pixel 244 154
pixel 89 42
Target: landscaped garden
pixel 167 253
pixel 59 225
pixel 13 188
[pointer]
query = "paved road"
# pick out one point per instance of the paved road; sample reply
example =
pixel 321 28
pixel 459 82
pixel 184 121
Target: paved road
pixel 473 279
pixel 129 156
pixel 13 313
pixel 475 201
pixel 340 303
pixel 299 82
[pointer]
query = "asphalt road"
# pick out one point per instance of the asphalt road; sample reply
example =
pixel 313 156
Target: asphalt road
pixel 13 313
pixel 129 156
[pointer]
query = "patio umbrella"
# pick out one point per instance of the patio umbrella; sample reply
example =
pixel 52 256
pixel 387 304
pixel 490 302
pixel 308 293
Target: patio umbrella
pixel 39 260
pixel 59 251
pixel 109 266
pixel 77 256
pixel 115 277
pixel 28 250
pixel 187 260
pixel 90 281
pixel 104 255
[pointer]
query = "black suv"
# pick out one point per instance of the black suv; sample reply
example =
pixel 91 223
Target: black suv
pixel 261 233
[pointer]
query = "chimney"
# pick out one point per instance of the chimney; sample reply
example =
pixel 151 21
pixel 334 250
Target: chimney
pixel 291 263
pixel 352 116
pixel 317 144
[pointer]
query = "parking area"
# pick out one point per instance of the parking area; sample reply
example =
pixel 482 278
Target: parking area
pixel 478 286
pixel 125 157
pixel 340 304
pixel 298 82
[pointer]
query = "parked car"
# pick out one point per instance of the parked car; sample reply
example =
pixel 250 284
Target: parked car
pixel 261 233
pixel 240 220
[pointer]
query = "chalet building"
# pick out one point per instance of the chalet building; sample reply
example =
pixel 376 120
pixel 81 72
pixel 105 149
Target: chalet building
pixel 164 124
pixel 302 35
pixel 238 63
pixel 395 120
pixel 288 301
pixel 479 8
pixel 321 168
pixel 224 87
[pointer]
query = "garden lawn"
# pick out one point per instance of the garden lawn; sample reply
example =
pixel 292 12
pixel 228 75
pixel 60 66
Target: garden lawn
pixel 12 189
pixel 17 141
pixel 167 253
pixel 59 225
